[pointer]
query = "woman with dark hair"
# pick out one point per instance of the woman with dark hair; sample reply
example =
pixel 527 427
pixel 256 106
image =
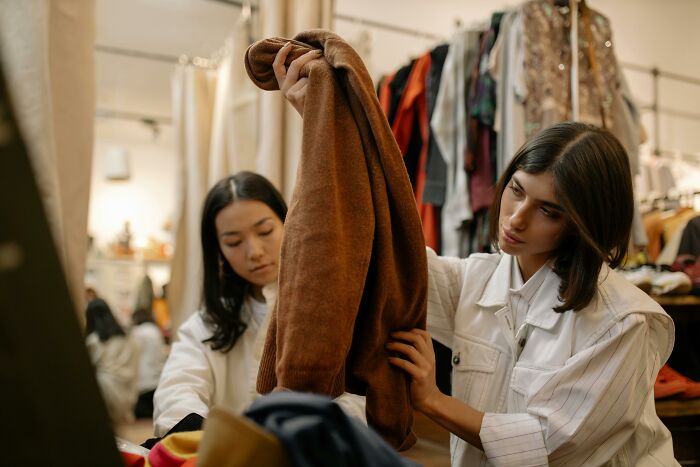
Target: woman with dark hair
pixel 554 353
pixel 114 358
pixel 216 358
pixel 213 362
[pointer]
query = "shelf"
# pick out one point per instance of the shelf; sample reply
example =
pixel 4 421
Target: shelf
pixel 677 300
pixel 668 408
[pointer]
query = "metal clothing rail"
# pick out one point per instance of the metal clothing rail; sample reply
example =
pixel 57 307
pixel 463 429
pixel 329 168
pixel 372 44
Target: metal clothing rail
pixel 150 120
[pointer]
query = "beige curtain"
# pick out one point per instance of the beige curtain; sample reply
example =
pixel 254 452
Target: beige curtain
pixel 193 102
pixel 280 125
pixel 224 124
pixel 47 49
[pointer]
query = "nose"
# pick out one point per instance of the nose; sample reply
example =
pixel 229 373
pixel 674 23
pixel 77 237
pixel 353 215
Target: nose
pixel 519 217
pixel 255 249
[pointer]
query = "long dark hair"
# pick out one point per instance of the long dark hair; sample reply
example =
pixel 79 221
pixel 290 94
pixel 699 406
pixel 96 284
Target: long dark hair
pixel 99 319
pixel 224 291
pixel 593 184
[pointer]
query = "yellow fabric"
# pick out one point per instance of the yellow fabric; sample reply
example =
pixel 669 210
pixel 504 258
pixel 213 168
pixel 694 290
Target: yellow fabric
pixel 183 445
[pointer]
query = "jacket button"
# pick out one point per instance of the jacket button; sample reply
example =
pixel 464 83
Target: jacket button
pixel 455 359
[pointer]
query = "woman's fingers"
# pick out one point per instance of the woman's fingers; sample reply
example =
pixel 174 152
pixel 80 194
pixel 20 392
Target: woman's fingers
pixel 408 350
pixel 405 365
pixel 278 64
pixel 418 337
pixel 296 66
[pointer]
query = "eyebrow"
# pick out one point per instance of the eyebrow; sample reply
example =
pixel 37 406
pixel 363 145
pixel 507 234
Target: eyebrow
pixel 549 204
pixel 257 224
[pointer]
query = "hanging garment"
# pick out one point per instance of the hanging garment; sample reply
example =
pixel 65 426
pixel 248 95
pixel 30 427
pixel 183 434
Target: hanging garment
pixel 506 68
pixel 547 70
pixel 435 169
pixel 449 123
pixel 410 128
pixel 353 266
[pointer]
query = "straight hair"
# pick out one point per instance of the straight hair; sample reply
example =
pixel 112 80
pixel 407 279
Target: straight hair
pixel 593 183
pixel 224 291
pixel 100 320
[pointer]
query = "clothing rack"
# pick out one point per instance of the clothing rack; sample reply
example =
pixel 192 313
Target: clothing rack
pixel 655 72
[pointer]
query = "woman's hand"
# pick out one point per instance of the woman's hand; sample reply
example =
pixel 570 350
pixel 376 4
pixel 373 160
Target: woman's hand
pixel 419 362
pixel 293 87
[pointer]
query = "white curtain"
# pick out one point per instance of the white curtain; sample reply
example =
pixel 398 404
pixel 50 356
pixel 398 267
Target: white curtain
pixel 193 103
pixel 279 124
pixel 47 50
pixel 224 124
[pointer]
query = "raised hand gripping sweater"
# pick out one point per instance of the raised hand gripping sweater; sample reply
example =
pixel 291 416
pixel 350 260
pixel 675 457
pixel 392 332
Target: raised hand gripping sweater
pixel 353 266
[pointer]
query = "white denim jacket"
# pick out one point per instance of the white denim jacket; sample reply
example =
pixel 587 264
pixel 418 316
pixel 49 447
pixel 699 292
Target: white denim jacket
pixel 569 389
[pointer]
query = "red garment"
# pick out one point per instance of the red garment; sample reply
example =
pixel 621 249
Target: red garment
pixel 132 460
pixel 481 178
pixel 414 101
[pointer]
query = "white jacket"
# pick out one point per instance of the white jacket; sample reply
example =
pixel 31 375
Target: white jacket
pixel 195 377
pixel 116 364
pixel 572 388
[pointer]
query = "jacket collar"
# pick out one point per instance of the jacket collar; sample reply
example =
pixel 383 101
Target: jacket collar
pixel 541 313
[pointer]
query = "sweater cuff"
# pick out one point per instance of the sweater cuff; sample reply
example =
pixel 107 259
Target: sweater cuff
pixel 513 440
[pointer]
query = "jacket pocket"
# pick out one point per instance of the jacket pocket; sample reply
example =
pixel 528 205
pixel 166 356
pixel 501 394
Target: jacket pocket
pixel 474 364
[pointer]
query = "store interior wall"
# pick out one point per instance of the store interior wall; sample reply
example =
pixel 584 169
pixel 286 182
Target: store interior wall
pixel 646 32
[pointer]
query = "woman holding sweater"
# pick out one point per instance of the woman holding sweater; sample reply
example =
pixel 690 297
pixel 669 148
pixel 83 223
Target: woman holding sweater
pixel 554 354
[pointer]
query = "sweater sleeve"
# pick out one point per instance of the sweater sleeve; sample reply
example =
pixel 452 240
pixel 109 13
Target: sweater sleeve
pixel 584 412
pixel 187 381
pixel 445 278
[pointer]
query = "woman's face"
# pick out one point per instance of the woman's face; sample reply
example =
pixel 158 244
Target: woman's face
pixel 250 236
pixel 531 223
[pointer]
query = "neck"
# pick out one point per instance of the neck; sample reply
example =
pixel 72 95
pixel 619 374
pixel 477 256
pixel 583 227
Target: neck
pixel 256 293
pixel 529 265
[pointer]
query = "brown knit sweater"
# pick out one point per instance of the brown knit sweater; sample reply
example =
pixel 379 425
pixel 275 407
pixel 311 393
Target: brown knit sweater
pixel 353 266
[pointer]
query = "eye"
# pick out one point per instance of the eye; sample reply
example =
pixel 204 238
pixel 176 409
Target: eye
pixel 515 189
pixel 233 244
pixel 551 213
pixel 266 233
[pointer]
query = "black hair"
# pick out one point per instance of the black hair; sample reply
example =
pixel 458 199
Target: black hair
pixel 99 319
pixel 224 291
pixel 593 183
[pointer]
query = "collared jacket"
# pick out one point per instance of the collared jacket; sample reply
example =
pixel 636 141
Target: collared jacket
pixel 571 388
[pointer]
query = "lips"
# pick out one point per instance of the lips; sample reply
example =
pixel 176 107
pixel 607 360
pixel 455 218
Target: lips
pixel 261 268
pixel 509 237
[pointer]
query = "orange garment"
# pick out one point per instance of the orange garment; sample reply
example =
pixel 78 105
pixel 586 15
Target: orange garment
pixel 414 101
pixel 678 220
pixel 353 265
pixel 654 226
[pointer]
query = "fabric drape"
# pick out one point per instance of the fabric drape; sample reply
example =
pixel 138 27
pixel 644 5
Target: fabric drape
pixel 353 266
pixel 279 124
pixel 47 48
pixel 224 124
pixel 193 95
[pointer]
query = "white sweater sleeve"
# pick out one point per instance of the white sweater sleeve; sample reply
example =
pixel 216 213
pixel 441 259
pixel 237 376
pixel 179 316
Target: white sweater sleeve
pixel 445 278
pixel 186 383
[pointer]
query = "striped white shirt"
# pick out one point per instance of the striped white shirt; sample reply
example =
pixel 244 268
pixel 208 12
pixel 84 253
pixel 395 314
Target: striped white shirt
pixel 569 389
